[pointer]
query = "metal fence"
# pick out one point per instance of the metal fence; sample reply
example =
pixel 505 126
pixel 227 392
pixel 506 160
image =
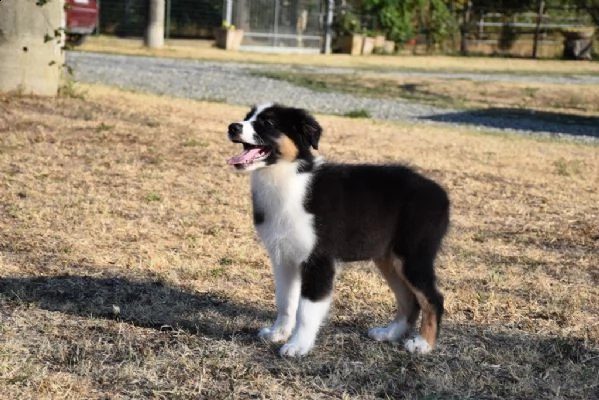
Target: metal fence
pixel 275 23
pixel 280 23
pixel 184 18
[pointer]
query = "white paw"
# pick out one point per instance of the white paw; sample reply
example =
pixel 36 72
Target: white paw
pixel 381 334
pixel 418 345
pixel 295 349
pixel 274 334
pixel 390 333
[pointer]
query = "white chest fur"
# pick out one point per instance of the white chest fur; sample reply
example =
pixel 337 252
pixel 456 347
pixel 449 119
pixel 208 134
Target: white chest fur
pixel 287 231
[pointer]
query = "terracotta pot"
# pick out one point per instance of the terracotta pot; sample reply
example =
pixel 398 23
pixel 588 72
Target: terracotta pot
pixel 389 46
pixel 368 46
pixel 379 42
pixel 350 44
pixel 228 39
pixel 578 45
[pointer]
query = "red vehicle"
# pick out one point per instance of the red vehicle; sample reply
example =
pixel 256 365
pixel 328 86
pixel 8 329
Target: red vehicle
pixel 81 16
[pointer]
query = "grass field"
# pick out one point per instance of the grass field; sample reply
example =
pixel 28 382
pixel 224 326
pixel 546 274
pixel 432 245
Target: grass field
pixel 129 267
pixel 204 50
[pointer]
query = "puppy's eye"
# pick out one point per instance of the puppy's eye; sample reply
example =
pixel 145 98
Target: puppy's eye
pixel 266 121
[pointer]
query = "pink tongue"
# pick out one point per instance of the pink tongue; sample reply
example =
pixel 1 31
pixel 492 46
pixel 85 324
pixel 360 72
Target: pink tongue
pixel 245 157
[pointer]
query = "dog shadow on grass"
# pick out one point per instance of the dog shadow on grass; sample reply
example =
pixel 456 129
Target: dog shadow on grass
pixel 524 120
pixel 146 303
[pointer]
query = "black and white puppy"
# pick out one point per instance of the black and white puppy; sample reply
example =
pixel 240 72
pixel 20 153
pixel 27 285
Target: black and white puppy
pixel 311 214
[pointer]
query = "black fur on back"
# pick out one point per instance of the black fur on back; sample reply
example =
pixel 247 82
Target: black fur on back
pixel 366 211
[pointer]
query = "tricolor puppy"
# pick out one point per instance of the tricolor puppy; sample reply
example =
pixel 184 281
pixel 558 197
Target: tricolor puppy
pixel 311 214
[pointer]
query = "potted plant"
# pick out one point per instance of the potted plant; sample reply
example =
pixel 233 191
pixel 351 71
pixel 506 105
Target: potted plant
pixel 368 43
pixel 578 43
pixel 379 41
pixel 228 37
pixel 349 38
pixel 389 47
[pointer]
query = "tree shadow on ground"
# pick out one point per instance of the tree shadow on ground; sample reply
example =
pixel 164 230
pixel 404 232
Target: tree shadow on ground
pixel 149 303
pixel 524 120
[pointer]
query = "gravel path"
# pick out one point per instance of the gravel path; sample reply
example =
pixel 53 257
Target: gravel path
pixel 234 83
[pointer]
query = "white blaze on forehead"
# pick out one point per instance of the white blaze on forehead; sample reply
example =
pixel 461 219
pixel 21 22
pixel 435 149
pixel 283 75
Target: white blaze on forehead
pixel 258 110
pixel 248 132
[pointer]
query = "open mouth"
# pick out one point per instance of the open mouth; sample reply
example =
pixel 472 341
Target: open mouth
pixel 250 154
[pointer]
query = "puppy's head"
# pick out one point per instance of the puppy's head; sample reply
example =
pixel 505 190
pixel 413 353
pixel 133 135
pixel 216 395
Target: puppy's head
pixel 271 134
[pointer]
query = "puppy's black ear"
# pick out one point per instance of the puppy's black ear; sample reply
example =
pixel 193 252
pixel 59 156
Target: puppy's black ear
pixel 309 128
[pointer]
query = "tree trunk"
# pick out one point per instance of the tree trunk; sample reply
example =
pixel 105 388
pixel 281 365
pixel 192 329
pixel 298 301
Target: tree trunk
pixel 154 38
pixel 429 31
pixel 328 39
pixel 464 28
pixel 535 46
pixel 31 56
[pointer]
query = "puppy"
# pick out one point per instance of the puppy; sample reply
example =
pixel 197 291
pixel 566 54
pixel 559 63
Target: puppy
pixel 311 214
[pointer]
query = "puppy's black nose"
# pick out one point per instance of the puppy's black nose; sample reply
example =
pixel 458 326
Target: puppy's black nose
pixel 235 130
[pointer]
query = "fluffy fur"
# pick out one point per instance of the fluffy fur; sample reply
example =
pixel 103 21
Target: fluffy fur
pixel 311 214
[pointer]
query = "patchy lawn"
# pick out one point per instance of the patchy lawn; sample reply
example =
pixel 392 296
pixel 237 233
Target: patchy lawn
pixel 129 267
pixel 460 93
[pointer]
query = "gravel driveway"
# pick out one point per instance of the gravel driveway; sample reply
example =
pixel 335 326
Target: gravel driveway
pixel 234 83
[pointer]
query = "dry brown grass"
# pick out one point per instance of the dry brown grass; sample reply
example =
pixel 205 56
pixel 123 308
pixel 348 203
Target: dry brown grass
pixel 204 50
pixel 130 269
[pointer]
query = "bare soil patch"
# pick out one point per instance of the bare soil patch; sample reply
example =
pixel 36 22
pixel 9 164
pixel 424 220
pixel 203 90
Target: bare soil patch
pixel 129 267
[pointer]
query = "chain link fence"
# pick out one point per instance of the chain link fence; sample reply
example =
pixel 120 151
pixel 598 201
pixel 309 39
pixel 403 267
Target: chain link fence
pixel 183 19
pixel 275 23
pixel 281 23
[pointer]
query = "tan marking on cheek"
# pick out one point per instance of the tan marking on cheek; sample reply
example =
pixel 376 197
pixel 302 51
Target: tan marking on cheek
pixel 287 148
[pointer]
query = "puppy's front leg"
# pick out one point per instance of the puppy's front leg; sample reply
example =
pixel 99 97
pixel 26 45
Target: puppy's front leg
pixel 318 274
pixel 287 292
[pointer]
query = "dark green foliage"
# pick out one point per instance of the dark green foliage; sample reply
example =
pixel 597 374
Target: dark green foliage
pixel 590 6
pixel 395 17
pixel 347 24
pixel 401 20
pixel 505 6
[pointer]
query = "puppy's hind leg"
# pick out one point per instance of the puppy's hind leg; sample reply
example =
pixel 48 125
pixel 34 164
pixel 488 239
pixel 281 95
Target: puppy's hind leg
pixel 420 277
pixel 407 307
pixel 318 274
pixel 287 293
